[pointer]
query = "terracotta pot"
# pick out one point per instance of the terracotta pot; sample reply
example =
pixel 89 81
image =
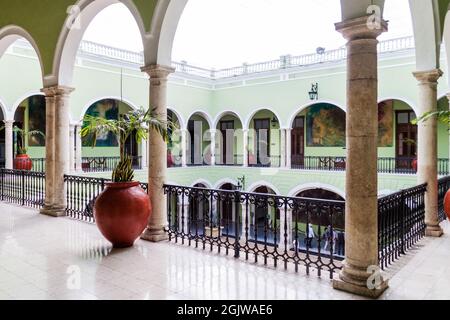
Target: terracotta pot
pixel 122 211
pixel 447 204
pixel 23 162
pixel 414 164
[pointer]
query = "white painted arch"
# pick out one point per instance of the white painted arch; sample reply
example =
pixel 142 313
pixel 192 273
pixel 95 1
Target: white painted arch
pixel 23 98
pixel 225 181
pixel 72 34
pixel 263 183
pixel 4 111
pixel 310 104
pixel 12 33
pixel 412 105
pixel 179 117
pixel 316 185
pixel 227 113
pixel 205 115
pixel 256 111
pixel 202 181
pixel 131 104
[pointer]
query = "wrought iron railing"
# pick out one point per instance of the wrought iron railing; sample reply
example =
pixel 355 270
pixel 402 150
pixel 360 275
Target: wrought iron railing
pixel 261 227
pixel 24 188
pixel 81 195
pixel 401 223
pixel 38 164
pixel 106 164
pixel 443 187
pixel 318 163
pixel 264 161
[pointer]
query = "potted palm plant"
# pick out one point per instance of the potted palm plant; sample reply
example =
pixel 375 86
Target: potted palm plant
pixel 22 161
pixel 123 209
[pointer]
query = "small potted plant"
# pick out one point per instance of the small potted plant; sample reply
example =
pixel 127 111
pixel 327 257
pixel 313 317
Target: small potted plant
pixel 22 161
pixel 123 209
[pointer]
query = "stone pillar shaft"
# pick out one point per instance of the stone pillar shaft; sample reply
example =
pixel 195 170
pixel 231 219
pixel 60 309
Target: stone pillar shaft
pixel 213 133
pixel 57 153
pixel 288 148
pixel 427 148
pixel 157 155
pixel 184 134
pixel 9 156
pixel 78 149
pixel 361 212
pixel 245 147
pixel 283 149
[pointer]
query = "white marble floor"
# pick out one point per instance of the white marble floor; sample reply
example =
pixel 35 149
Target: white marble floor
pixel 49 258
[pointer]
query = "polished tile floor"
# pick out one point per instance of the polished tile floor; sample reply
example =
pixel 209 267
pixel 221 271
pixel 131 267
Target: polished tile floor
pixel 48 258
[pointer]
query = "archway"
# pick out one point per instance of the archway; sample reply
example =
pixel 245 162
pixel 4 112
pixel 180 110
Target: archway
pixel 397 137
pixel 264 147
pixel 318 137
pixel 199 140
pixel 106 153
pixel 30 116
pixel 230 140
pixel 174 147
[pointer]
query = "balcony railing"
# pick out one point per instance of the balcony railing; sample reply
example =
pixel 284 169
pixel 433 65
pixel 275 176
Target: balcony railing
pixel 106 164
pixel 443 187
pixel 401 223
pixel 264 162
pixel 259 227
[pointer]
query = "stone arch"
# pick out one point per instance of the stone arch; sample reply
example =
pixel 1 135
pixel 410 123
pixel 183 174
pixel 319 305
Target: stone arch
pixel 203 114
pixel 70 38
pixel 202 181
pixel 12 33
pixel 23 97
pixel 404 100
pixel 179 117
pixel 3 110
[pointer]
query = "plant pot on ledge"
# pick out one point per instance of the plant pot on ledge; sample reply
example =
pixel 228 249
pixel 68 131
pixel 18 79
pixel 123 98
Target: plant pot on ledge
pixel 122 212
pixel 23 162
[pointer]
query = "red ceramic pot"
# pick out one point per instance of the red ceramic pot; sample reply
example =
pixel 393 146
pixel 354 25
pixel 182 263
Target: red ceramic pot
pixel 122 211
pixel 414 164
pixel 23 162
pixel 447 204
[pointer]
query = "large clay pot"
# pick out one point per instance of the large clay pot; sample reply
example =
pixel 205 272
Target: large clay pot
pixel 23 162
pixel 414 165
pixel 122 211
pixel 447 204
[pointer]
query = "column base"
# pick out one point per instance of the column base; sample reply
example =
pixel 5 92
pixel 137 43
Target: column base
pixel 434 231
pixel 53 211
pixel 155 235
pixel 360 290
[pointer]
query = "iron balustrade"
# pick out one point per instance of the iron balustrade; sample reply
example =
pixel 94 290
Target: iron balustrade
pixel 318 163
pixel 25 188
pixel 106 164
pixel 264 161
pixel 38 164
pixel 297 231
pixel 443 187
pixel 81 195
pixel 401 223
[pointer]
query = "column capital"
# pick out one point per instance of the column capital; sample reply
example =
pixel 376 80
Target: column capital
pixel 428 77
pixel 359 28
pixel 57 91
pixel 9 122
pixel 157 71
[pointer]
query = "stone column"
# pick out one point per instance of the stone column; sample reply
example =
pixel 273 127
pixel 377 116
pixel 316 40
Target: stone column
pixel 157 155
pixel 245 146
pixel 288 148
pixel 78 149
pixel 245 216
pixel 361 219
pixel 184 134
pixel 283 150
pixel 57 145
pixel 213 133
pixel 285 221
pixel 183 214
pixel 427 148
pixel 9 153
pixel 144 154
pixel 72 150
